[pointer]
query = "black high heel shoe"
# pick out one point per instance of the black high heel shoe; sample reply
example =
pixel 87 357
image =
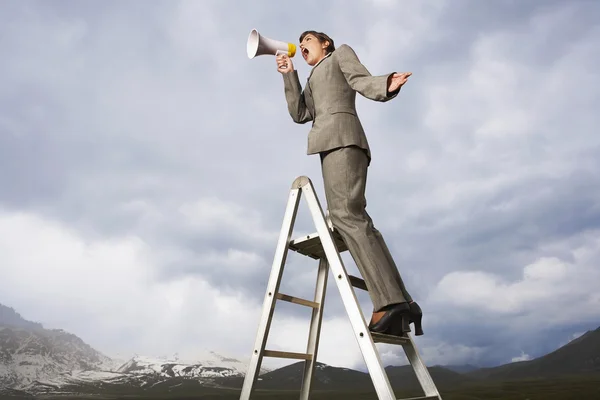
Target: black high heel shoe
pixel 416 316
pixel 395 321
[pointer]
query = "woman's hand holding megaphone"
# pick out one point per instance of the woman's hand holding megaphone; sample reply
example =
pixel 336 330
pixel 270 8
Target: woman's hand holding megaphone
pixel 284 63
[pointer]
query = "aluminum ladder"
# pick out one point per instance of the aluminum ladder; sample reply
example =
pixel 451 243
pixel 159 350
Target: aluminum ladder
pixel 326 245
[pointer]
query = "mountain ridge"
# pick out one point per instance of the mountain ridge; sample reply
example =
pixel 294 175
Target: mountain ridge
pixel 11 318
pixel 38 360
pixel 579 356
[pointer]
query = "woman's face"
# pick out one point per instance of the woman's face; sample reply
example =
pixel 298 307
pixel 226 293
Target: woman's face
pixel 313 50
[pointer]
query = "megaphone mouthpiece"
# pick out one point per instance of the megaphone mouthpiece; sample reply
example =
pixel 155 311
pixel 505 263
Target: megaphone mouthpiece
pixel 258 45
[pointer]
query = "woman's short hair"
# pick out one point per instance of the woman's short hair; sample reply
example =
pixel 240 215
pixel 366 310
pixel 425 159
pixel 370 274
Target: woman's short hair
pixel 322 37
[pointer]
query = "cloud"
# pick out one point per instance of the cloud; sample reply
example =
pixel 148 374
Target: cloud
pixel 545 284
pixel 522 357
pixel 110 287
pixel 542 281
pixel 148 162
pixel 527 308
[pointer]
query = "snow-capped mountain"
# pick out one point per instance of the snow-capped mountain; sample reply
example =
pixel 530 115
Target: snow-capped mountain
pixel 36 359
pixel 211 366
pixel 27 356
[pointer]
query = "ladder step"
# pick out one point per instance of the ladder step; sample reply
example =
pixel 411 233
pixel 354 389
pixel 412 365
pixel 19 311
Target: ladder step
pixel 358 282
pixel 389 339
pixel 310 245
pixel 287 354
pixel 297 300
pixel 422 398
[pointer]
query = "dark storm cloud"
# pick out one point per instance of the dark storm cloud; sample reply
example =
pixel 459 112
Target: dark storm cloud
pixel 149 120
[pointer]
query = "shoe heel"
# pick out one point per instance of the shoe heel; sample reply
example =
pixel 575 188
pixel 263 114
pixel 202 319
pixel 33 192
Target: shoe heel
pixel 416 316
pixel 418 326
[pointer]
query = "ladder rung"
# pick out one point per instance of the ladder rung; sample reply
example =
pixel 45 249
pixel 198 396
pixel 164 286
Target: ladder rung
pixel 422 398
pixel 297 300
pixel 358 282
pixel 310 245
pixel 390 339
pixel 287 354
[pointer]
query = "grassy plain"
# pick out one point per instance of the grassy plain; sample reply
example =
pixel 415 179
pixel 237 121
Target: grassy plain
pixel 582 387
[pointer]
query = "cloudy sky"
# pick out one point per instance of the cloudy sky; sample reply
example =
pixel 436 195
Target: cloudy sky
pixel 145 164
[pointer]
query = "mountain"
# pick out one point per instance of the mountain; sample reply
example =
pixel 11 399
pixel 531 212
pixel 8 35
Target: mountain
pixel 403 377
pixel 579 356
pixel 325 377
pixel 334 378
pixel 35 359
pixel 461 369
pixel 211 366
pixel 49 360
pixel 41 355
pixel 10 318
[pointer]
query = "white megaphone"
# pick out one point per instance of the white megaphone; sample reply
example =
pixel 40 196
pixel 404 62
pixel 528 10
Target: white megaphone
pixel 259 45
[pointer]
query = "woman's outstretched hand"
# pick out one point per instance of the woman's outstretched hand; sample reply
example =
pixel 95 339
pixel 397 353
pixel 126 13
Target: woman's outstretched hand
pixel 284 64
pixel 395 81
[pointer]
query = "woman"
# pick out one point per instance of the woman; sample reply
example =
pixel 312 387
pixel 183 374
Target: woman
pixel 337 135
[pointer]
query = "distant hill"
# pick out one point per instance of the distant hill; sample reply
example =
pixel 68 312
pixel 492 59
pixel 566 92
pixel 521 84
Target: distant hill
pixel 580 356
pixel 10 318
pixel 333 378
pixel 290 377
pixel 404 377
pixel 325 377
pixel 461 369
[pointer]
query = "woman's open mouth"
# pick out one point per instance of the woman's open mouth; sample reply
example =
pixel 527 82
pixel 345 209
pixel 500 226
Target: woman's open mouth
pixel 305 52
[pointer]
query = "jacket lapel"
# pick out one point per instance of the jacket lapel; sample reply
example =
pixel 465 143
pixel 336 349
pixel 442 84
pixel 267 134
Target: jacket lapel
pixel 308 90
pixel 318 64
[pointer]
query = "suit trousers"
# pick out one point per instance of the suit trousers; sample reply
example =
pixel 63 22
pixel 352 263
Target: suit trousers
pixel 345 176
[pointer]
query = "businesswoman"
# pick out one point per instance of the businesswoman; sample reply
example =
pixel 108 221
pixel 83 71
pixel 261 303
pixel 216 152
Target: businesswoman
pixel 328 100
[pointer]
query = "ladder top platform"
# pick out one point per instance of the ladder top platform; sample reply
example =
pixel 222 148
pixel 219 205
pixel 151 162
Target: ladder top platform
pixel 310 245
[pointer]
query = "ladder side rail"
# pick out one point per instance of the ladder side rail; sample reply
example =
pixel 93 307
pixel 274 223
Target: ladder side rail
pixel 365 341
pixel 315 329
pixel 423 376
pixel 270 295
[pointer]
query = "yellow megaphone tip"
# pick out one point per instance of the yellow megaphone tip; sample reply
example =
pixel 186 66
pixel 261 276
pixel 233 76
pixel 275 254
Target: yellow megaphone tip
pixel 291 49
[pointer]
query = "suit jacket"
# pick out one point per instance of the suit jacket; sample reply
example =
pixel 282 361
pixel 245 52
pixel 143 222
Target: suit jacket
pixel 328 100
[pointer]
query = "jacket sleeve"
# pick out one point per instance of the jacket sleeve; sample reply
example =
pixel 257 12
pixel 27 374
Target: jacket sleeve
pixel 359 78
pixel 295 98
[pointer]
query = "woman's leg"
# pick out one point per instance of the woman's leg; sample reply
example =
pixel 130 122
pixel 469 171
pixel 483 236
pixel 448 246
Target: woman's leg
pixel 344 176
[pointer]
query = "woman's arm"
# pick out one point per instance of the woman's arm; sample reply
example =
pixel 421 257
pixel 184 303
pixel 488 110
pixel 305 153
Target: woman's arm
pixel 293 91
pixel 361 80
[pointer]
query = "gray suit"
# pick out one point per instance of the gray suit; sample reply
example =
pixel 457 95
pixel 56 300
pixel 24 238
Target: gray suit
pixel 338 136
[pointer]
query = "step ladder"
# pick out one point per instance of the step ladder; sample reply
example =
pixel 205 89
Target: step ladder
pixel 326 245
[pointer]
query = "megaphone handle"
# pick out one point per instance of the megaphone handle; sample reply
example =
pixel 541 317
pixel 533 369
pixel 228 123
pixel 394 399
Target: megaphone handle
pixel 278 52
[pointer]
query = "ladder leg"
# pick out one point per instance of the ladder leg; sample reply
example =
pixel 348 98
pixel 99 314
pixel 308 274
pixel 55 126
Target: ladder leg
pixel 315 328
pixel 420 369
pixel 365 341
pixel 272 289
